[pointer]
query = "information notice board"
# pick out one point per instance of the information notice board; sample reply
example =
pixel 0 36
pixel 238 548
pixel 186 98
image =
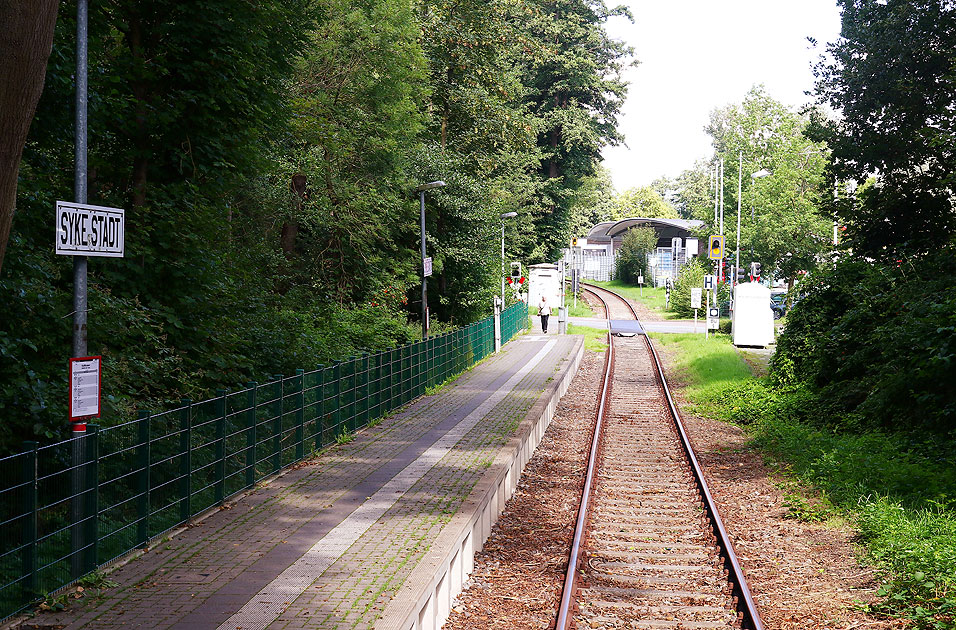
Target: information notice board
pixel 85 387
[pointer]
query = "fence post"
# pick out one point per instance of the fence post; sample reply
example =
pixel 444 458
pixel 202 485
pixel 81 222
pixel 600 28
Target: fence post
pixel 251 438
pixel 300 416
pixel 376 386
pixel 93 496
pixel 29 549
pixel 366 389
pixel 405 373
pixel 186 460
pixel 320 406
pixel 142 502
pixel 337 397
pixel 222 405
pixel 277 426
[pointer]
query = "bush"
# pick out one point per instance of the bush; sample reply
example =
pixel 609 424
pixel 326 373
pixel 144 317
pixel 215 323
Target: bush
pixel 877 344
pixel 632 256
pixel 691 275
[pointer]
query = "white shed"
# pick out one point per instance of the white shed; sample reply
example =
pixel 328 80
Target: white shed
pixel 544 279
pixel 752 317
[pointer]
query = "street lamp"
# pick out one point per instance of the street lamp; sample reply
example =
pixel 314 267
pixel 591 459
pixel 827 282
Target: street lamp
pixel 761 173
pixel 421 196
pixel 506 215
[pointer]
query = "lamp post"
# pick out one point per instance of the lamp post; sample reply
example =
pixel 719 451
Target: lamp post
pixel 506 215
pixel 759 174
pixel 421 197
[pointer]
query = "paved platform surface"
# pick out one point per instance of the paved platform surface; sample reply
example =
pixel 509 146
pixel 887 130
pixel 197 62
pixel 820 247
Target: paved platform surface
pixel 328 544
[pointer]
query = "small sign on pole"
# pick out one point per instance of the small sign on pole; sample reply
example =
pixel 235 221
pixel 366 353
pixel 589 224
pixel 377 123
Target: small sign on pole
pixel 713 318
pixel 696 297
pixel 710 282
pixel 84 388
pixel 427 266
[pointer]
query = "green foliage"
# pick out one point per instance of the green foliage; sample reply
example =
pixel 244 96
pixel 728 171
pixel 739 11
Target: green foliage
pixel 691 275
pixel 631 261
pixel 642 202
pixel 876 343
pixel 892 76
pixel 780 224
pixel 573 72
pixel 265 155
pixel 691 192
pixel 581 310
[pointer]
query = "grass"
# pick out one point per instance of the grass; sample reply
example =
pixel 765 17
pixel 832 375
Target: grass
pixel 707 366
pixel 581 310
pixel 897 491
pixel 653 297
pixel 594 338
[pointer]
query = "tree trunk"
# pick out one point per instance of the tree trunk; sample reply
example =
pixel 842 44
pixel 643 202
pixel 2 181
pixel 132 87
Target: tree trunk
pixel 140 89
pixel 26 39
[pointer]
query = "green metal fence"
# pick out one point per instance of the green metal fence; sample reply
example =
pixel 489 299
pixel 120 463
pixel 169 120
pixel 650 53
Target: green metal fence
pixel 73 506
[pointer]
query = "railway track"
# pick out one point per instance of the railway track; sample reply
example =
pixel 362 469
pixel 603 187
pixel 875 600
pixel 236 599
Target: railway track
pixel 649 550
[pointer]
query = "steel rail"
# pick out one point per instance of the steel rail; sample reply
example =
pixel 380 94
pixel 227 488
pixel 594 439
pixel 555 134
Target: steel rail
pixel 574 558
pixel 746 607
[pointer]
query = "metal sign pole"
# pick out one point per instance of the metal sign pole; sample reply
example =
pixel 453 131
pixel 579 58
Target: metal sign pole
pixel 421 197
pixel 78 475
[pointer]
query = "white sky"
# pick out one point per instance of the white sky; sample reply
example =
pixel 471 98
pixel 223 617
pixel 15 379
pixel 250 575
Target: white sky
pixel 697 55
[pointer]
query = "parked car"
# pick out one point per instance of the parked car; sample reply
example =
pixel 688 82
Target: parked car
pixel 778 304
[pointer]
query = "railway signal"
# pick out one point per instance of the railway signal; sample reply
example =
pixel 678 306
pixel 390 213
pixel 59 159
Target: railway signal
pixel 716 247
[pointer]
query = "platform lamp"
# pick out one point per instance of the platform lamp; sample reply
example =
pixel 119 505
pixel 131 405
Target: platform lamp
pixel 506 215
pixel 421 197
pixel 754 176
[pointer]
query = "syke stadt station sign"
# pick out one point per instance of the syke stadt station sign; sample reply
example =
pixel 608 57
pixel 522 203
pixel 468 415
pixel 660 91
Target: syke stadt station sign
pixel 85 230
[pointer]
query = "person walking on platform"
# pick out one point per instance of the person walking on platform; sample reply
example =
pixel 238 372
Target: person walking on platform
pixel 544 310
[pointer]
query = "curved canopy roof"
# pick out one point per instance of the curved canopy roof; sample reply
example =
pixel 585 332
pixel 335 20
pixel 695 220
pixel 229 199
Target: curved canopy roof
pixel 665 228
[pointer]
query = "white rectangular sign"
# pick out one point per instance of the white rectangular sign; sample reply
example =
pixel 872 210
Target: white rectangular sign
pixel 691 246
pixel 696 295
pixel 85 230
pixel 713 318
pixel 427 266
pixel 710 282
pixel 84 387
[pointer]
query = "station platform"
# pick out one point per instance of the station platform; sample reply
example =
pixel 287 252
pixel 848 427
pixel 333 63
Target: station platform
pixel 376 532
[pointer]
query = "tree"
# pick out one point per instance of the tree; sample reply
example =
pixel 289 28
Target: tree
pixel 357 97
pixel 892 77
pixel 631 259
pixel 781 225
pixel 642 202
pixel 573 75
pixel 692 192
pixel 592 202
pixel 25 43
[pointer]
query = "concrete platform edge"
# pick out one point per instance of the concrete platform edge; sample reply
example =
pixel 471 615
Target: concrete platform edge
pixel 424 600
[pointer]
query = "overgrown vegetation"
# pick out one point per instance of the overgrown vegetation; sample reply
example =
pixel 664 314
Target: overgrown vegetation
pixel 898 491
